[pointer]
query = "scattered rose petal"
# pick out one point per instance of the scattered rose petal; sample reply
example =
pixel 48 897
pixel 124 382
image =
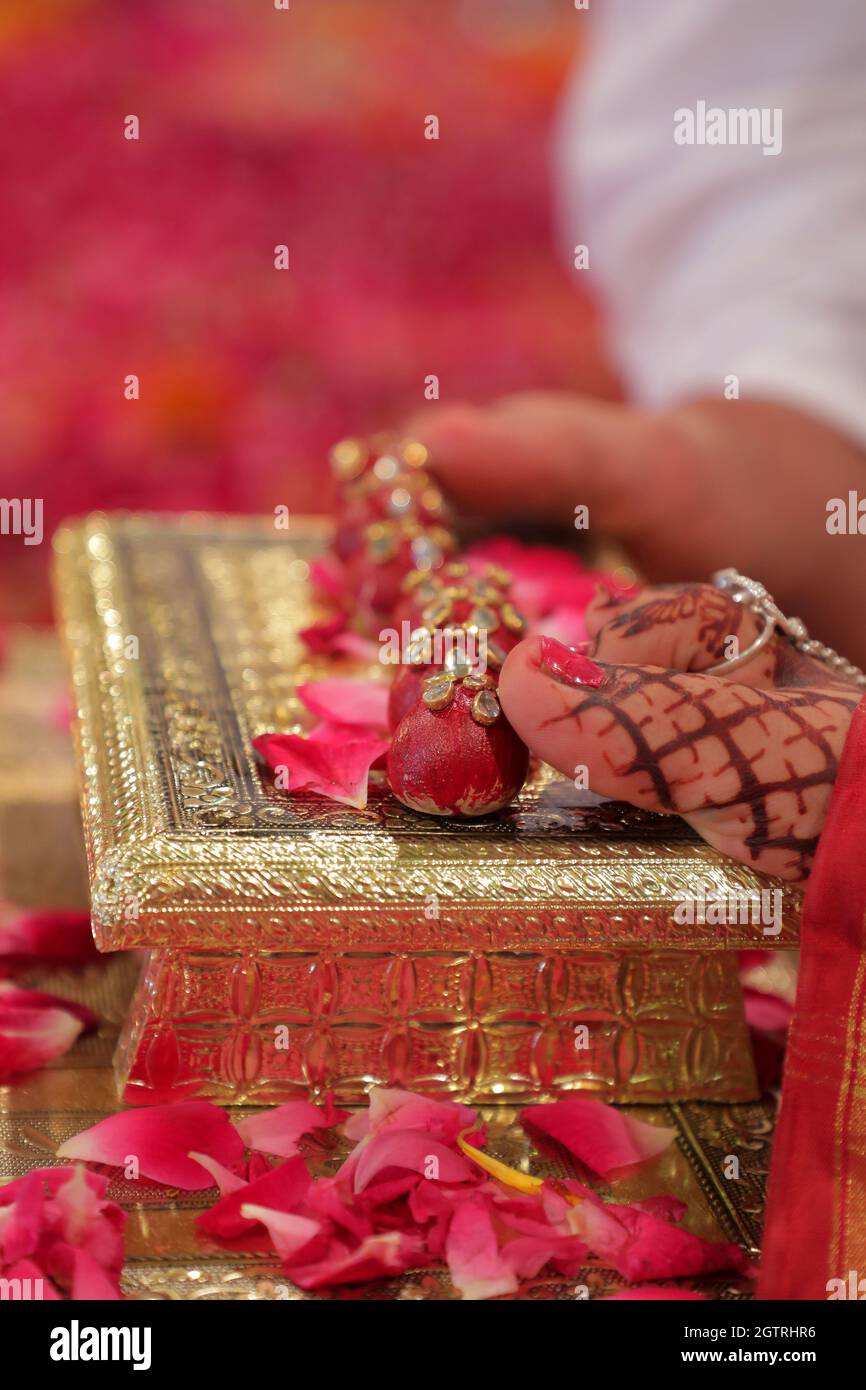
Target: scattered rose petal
pixel 545 577
pixel 377 1257
pixel 52 1180
pixel 640 1247
pixel 27 1270
pixel 279 1131
pixel 477 1267
pixel 14 996
pixel 603 1138
pixel 160 1139
pixel 282 1189
pixel 362 703
pixel 56 1224
pixel 328 576
pixel 393 1108
pixel 320 638
pixel 353 645
pixel 85 1220
pixel 766 1013
pixel 335 767
pixel 31 1037
pixel 414 1191
pixel 223 1178
pixel 667 1208
pixel 48 938
pixel 414 1150
pixel 91 1283
pixel 19 1233
pixel 289 1234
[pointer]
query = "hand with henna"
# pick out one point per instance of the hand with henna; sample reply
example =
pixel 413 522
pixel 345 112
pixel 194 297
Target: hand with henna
pixel 749 760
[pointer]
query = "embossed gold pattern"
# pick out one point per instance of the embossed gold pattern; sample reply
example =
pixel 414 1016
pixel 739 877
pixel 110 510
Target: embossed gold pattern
pixel 546 915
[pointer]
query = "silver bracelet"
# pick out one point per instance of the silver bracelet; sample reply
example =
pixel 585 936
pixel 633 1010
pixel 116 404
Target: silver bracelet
pixel 755 597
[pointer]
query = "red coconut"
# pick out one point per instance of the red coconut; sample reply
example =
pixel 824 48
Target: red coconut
pixel 405 692
pixel 443 763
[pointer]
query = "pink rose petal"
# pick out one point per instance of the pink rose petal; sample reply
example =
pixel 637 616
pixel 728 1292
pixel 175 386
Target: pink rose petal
pixel 320 638
pixel 14 996
pixel 329 1199
pixel 282 1189
pixel 41 938
pixel 20 1231
pixel 223 1178
pixel 527 1255
pixel 52 1180
pixel 31 1037
pixel 601 1137
pixel 160 1139
pixel 415 1151
pixel 280 1130
pixel 328 576
pixel 378 1257
pixel 363 703
pixel 290 1234
pixel 91 1283
pixel 640 1247
pixel 545 577
pixel 353 645
pixel 393 1108
pixel 85 1220
pixel 666 1207
pixel 766 1013
pixel 27 1270
pixel 336 766
pixel 477 1267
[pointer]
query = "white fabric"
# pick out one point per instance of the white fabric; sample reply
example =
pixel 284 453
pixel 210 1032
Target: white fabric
pixel 719 259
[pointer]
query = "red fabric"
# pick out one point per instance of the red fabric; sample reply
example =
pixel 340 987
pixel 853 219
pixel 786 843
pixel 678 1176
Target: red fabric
pixel 815 1226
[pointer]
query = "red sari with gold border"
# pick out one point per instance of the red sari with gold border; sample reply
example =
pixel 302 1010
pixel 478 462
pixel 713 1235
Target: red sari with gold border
pixel 815 1229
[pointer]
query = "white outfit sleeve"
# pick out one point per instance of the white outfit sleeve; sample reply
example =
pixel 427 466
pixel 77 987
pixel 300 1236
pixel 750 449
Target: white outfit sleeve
pixel 718 260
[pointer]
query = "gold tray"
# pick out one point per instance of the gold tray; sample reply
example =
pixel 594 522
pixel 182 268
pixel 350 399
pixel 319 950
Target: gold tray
pixel 460 957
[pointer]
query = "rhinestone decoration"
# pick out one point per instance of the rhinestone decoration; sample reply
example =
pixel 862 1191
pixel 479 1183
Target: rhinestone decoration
pixel 386 468
pixel 431 500
pixel 348 458
pixel 457 663
pixel 499 575
pixel 484 617
pixel 438 691
pixel 438 612
pixel 513 618
pixel 381 543
pixel 485 707
pixel 426 554
pixel 495 655
pixel 399 501
pixel 478 681
pixel 415 453
pixel 485 592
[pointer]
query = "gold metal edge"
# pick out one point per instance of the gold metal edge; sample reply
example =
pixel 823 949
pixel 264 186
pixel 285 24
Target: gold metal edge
pixel 132 852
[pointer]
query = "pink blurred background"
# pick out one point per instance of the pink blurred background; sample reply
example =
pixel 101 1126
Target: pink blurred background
pixel 156 257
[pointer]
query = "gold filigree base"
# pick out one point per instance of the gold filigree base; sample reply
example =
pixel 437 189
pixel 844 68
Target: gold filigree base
pixel 302 945
pixel 489 1027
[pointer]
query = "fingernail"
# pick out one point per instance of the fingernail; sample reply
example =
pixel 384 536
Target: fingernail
pixel 569 666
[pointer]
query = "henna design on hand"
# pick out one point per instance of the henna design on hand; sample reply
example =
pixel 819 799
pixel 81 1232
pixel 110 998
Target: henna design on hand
pixel 780 748
pixel 717 618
